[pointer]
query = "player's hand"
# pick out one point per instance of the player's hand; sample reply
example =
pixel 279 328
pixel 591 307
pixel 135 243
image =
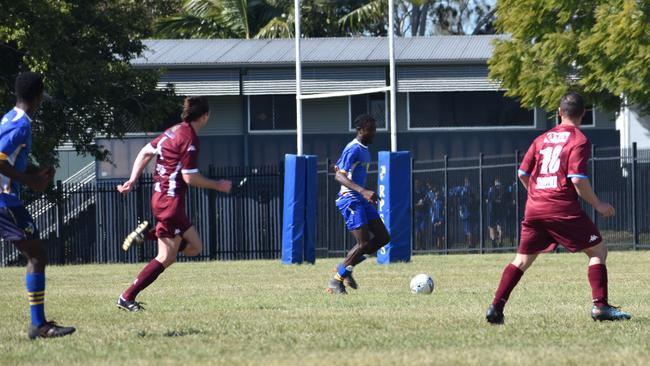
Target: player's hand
pixel 370 196
pixel 125 187
pixel 224 185
pixel 605 209
pixel 38 182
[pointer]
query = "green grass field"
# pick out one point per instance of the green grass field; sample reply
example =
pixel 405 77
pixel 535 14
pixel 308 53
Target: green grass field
pixel 261 312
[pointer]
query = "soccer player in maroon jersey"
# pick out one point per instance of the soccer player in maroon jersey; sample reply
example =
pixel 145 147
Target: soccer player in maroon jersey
pixel 554 171
pixel 177 152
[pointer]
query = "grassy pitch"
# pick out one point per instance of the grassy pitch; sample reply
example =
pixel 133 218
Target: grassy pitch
pixel 264 313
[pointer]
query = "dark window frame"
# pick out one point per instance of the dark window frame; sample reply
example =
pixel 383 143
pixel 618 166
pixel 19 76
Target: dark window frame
pixel 386 111
pixel 273 114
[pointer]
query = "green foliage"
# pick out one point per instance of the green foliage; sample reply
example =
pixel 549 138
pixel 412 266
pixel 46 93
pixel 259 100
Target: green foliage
pixel 263 313
pixel 83 48
pixel 600 48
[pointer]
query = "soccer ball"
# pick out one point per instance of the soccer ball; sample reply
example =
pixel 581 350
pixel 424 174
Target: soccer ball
pixel 422 284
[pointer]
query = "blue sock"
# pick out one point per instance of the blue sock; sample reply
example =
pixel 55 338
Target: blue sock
pixel 343 271
pixel 36 292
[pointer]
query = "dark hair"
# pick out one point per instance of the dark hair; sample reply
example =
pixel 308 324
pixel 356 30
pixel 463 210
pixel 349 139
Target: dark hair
pixel 29 86
pixel 572 105
pixel 364 121
pixel 194 107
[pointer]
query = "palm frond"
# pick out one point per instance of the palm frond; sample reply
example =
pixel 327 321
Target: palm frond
pixel 357 19
pixel 277 28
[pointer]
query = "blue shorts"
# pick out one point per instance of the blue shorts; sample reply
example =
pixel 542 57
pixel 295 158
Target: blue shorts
pixel 16 224
pixel 356 211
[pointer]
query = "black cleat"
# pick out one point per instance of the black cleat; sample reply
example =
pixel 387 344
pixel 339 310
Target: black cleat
pixel 494 315
pixel 132 306
pixel 608 312
pixel 336 287
pixel 351 282
pixel 136 236
pixel 49 330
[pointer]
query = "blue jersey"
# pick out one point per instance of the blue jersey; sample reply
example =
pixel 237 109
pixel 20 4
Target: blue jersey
pixel 15 144
pixel 354 163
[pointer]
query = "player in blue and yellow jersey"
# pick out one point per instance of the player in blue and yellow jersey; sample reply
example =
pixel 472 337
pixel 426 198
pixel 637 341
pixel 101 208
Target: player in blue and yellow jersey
pixel 16 224
pixel 357 204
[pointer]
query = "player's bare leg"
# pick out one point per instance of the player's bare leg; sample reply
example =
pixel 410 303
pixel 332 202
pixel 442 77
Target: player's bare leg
pixel 365 246
pixel 34 251
pixel 167 252
pixel 597 274
pixel 194 244
pixel 509 279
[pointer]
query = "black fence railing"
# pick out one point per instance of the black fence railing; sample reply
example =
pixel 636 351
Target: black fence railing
pixel 456 208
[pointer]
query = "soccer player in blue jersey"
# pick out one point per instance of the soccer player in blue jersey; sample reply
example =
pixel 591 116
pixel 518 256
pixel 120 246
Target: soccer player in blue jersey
pixel 16 224
pixel 357 204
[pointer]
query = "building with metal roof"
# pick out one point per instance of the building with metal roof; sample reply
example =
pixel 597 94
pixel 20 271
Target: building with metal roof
pixel 446 104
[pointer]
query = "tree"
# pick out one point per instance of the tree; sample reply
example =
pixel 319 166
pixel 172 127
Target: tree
pixel 83 48
pixel 600 48
pixel 424 17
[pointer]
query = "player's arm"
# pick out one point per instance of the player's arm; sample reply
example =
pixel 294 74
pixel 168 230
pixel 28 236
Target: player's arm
pixel 341 177
pixel 141 161
pixel 527 165
pixel 197 179
pixel 586 192
pixel 37 181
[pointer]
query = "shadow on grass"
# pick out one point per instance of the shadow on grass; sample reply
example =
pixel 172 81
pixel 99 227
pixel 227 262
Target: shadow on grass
pixel 171 333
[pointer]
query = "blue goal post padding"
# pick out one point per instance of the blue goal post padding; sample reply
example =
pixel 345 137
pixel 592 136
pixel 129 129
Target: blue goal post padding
pixel 394 186
pixel 299 211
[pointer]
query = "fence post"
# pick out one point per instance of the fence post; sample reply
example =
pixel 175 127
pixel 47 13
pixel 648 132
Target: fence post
pixel 60 221
pixel 593 181
pixel 635 221
pixel 446 195
pixel 480 206
pixel 212 217
pixel 327 206
pixel 516 191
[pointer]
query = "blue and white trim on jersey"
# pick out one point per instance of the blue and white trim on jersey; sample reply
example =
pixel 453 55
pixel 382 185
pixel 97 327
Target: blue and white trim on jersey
pixel 581 176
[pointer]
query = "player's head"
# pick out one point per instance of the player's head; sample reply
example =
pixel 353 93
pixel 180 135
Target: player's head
pixel 572 107
pixel 196 109
pixel 366 127
pixel 29 88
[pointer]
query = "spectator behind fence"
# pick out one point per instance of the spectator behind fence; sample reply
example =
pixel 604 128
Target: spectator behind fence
pixel 421 211
pixel 437 214
pixel 465 201
pixel 496 211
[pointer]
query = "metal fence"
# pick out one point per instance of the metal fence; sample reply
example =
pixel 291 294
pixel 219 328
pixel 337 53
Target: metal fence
pixel 454 210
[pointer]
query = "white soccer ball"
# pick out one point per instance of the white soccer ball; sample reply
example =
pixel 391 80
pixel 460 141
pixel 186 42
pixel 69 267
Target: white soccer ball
pixel 422 284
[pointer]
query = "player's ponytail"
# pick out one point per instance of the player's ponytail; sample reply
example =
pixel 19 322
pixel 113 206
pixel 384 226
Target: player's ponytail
pixel 194 108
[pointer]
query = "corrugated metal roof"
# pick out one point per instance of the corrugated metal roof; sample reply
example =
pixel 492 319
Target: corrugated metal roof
pixel 315 51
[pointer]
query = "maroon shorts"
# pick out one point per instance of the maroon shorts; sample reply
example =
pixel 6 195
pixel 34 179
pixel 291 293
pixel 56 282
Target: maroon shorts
pixel 543 235
pixel 170 215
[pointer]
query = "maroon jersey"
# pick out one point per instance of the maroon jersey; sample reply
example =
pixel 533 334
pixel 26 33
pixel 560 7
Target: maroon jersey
pixel 552 160
pixel 177 149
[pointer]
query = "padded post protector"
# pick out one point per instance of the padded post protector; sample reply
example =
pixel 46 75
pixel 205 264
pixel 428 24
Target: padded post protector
pixel 394 186
pixel 299 211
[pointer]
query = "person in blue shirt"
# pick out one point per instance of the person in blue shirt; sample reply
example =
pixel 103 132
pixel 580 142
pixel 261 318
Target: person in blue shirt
pixel 421 208
pixel 465 198
pixel 437 214
pixel 16 224
pixel 357 204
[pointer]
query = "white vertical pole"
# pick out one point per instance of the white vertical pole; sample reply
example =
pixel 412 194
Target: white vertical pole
pixel 393 83
pixel 298 77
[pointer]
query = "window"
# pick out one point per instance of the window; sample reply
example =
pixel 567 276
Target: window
pixel 372 104
pixel 467 109
pixel 272 112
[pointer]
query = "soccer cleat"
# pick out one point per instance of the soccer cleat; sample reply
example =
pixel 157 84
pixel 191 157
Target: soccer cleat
pixel 132 306
pixel 49 330
pixel 336 287
pixel 137 236
pixel 494 315
pixel 351 282
pixel 608 312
